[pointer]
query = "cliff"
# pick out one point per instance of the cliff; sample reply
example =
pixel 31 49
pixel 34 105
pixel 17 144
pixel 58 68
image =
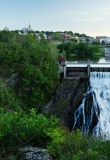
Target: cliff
pixel 68 97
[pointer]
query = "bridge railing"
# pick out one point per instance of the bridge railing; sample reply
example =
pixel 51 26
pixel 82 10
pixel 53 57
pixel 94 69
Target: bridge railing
pixel 87 62
pixel 77 62
pixel 96 63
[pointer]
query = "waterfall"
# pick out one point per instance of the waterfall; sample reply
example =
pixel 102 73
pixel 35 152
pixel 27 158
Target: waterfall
pixel 93 115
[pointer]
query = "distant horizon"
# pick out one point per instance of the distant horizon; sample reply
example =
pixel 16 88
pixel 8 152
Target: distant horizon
pixel 90 17
pixel 55 31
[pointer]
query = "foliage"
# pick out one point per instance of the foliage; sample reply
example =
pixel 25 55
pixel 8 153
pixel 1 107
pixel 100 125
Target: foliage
pixel 7 98
pixel 35 63
pixel 19 129
pixel 81 50
pixel 77 146
pixel 28 74
pixel 57 36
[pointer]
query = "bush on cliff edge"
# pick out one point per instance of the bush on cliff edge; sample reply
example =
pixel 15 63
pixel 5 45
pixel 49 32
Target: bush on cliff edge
pixel 19 129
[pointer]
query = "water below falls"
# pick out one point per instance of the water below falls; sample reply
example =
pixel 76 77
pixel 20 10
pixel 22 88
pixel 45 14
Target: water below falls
pixel 93 115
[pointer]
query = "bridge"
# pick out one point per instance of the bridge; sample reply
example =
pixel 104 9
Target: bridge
pixel 70 69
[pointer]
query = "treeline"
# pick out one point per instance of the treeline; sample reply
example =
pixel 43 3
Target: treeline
pixel 81 50
pixel 52 33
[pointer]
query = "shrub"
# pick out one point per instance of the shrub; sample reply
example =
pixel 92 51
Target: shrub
pixel 19 129
pixel 77 146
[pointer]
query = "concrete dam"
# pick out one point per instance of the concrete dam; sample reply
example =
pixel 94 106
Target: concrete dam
pixel 70 69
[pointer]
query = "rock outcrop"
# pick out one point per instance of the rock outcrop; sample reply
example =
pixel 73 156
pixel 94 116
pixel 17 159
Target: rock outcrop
pixel 68 97
pixel 32 153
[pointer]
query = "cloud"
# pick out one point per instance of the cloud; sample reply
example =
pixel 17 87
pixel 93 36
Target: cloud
pixel 103 9
pixel 78 12
pixel 89 19
pixel 87 12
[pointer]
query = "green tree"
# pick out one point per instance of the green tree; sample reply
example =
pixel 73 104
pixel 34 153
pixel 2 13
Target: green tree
pixel 33 61
pixel 57 36
pixel 81 50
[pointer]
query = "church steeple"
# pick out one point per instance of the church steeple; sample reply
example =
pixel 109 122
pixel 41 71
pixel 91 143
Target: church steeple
pixel 29 25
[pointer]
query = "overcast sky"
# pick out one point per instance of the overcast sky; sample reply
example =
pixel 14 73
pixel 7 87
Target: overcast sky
pixel 91 17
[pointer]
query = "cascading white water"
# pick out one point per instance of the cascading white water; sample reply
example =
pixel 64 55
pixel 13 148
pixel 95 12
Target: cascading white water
pixel 100 107
pixel 100 83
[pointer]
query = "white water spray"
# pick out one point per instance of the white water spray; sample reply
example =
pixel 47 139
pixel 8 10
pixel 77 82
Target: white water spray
pixel 100 108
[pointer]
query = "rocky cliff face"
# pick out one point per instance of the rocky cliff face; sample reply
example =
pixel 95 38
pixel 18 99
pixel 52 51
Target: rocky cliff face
pixel 68 97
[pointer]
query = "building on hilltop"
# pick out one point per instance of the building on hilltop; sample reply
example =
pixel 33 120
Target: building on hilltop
pixel 45 36
pixel 98 38
pixel 105 41
pixel 65 37
pixel 25 30
pixel 107 47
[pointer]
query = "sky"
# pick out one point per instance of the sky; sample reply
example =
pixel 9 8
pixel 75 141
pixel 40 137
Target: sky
pixel 91 17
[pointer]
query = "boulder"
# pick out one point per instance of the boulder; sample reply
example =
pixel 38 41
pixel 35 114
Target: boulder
pixel 32 153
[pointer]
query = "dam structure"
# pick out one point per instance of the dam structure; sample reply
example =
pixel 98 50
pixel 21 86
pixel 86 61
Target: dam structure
pixel 69 69
pixel 92 116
